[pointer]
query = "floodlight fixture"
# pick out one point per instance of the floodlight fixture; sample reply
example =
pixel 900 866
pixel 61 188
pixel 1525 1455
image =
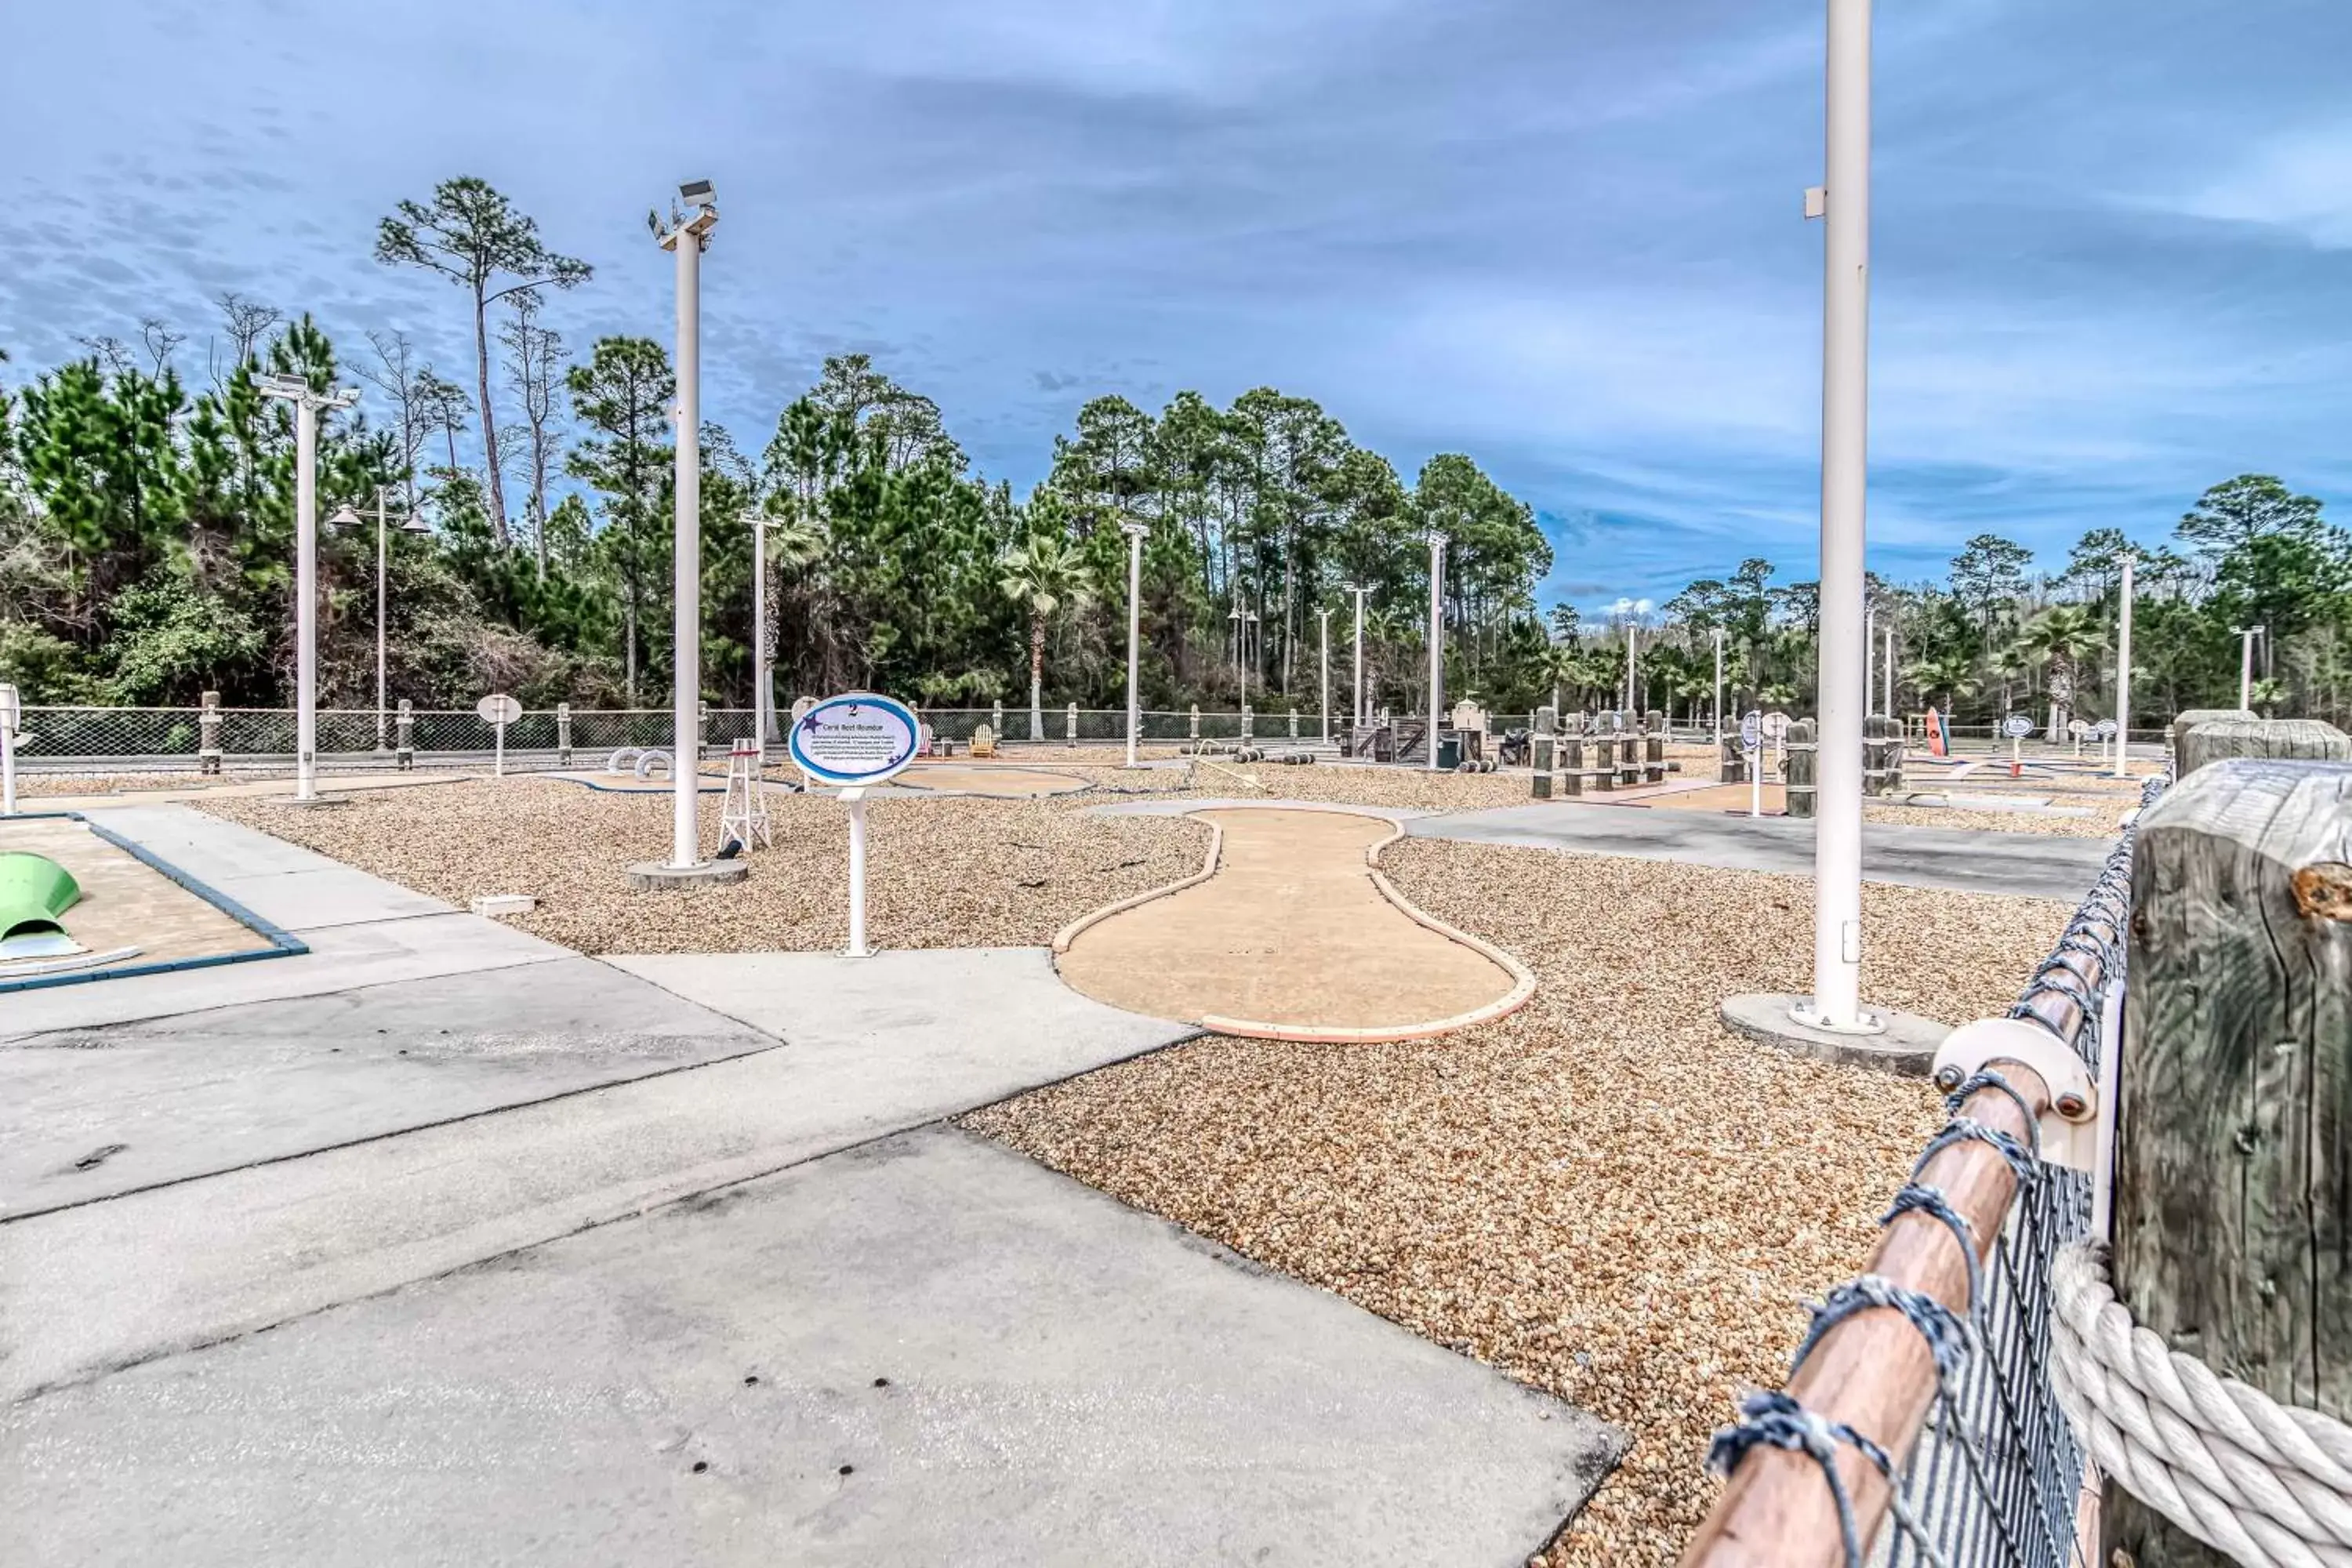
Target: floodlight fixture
pixel 278 385
pixel 344 516
pixel 698 193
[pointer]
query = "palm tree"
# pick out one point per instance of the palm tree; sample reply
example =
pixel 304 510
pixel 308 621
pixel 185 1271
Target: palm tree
pixel 1949 673
pixel 795 541
pixel 1041 576
pixel 2062 637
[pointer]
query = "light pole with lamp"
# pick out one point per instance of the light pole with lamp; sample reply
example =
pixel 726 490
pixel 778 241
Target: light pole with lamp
pixel 307 403
pixel 1135 533
pixel 1718 693
pixel 1437 638
pixel 2246 636
pixel 346 518
pixel 1632 700
pixel 2122 665
pixel 762 704
pixel 1843 693
pixel 687 237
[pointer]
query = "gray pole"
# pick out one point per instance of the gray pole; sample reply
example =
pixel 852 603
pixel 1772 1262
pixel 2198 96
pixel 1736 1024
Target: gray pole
pixel 2123 668
pixel 685 838
pixel 1719 691
pixel 379 558
pixel 1436 639
pixel 759 698
pixel 1135 533
pixel 1845 370
pixel 2246 665
pixel 1362 713
pixel 1324 701
pixel 306 598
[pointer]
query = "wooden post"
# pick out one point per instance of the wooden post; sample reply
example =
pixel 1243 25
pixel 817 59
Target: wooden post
pixel 1572 765
pixel 208 735
pixel 403 753
pixel 2216 739
pixel 2187 719
pixel 563 734
pixel 1801 751
pixel 2234 1135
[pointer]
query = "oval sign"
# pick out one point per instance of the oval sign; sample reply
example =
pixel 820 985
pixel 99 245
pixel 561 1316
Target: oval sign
pixel 2107 729
pixel 857 738
pixel 498 707
pixel 1751 733
pixel 2017 726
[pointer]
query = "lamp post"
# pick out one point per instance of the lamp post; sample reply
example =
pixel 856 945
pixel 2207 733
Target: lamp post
pixel 1842 694
pixel 307 403
pixel 1362 714
pixel 1437 638
pixel 1323 698
pixel 1135 533
pixel 2246 636
pixel 687 238
pixel 1886 666
pixel 2123 666
pixel 1632 705
pixel 345 517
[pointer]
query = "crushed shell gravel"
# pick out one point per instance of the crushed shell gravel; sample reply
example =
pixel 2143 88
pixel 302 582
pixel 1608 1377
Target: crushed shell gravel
pixel 1605 1195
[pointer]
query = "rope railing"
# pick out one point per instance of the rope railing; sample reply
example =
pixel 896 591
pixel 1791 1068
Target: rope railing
pixel 1922 1393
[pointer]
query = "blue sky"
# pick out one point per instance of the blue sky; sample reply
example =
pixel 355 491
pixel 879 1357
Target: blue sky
pixel 2112 254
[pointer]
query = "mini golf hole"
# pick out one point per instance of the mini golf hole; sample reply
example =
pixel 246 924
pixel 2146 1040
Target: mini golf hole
pixel 700 1465
pixel 881 1383
pixel 848 1469
pixel 750 1380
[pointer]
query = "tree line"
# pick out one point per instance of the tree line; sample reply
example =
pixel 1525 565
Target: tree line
pixel 147 519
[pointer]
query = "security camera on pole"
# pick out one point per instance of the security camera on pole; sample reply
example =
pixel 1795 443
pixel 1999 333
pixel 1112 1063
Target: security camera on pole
pixel 307 403
pixel 687 235
pixel 346 518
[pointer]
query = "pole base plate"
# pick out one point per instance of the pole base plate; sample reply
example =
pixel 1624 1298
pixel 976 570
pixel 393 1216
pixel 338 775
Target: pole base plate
pixel 653 876
pixel 1905 1043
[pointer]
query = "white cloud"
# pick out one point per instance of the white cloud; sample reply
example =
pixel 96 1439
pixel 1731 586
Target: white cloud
pixel 2301 182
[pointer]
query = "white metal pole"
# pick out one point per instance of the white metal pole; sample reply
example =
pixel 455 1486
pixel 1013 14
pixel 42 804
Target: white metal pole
pixel 498 756
pixel 10 708
pixel 1869 654
pixel 1718 698
pixel 1363 712
pixel 2123 668
pixel 857 799
pixel 1135 533
pixel 1845 368
pixel 1323 699
pixel 1436 638
pixel 1886 666
pixel 381 559
pixel 2246 665
pixel 686 637
pixel 759 698
pixel 306 598
pixel 1632 705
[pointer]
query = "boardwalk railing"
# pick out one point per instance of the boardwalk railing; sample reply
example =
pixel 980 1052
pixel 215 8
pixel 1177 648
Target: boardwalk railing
pixel 1918 1424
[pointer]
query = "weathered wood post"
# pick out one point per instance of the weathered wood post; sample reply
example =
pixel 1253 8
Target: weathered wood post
pixel 1194 732
pixel 1880 774
pixel 1734 768
pixel 208 734
pixel 1073 733
pixel 2187 719
pixel 563 734
pixel 1294 722
pixel 1247 718
pixel 1543 725
pixel 1572 765
pixel 404 725
pixel 995 717
pixel 1653 749
pixel 1802 749
pixel 701 729
pixel 2216 740
pixel 2232 1210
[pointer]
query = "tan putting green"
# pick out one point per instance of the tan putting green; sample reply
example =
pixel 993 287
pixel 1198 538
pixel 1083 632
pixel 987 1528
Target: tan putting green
pixel 1291 933
pixel 982 778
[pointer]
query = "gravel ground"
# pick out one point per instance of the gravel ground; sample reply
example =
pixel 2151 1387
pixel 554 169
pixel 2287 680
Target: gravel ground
pixel 1605 1195
pixel 2102 825
pixel 941 873
pixel 33 784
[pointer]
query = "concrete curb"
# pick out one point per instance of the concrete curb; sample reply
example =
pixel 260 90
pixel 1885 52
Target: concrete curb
pixel 1069 933
pixel 1523 979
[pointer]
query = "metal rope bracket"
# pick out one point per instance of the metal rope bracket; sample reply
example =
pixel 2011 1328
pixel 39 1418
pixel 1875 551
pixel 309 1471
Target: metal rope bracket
pixel 2069 1132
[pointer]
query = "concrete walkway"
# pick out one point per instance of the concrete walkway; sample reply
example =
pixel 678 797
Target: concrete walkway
pixel 561 1260
pixel 2034 865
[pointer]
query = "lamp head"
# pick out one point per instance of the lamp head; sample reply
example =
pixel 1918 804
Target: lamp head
pixel 344 516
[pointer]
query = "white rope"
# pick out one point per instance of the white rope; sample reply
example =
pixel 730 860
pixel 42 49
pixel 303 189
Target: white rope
pixel 2269 1484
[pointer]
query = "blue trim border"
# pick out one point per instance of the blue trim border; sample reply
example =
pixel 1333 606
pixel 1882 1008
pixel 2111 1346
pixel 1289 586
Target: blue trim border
pixel 283 943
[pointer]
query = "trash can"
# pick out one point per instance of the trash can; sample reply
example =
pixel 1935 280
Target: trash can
pixel 1449 751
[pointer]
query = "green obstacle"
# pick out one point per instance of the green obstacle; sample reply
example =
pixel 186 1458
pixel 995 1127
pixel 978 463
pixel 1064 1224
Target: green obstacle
pixel 35 894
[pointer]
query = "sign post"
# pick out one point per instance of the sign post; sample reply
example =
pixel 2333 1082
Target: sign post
pixel 1751 740
pixel 12 713
pixel 2017 726
pixel 2078 729
pixel 856 740
pixel 2106 732
pixel 499 711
